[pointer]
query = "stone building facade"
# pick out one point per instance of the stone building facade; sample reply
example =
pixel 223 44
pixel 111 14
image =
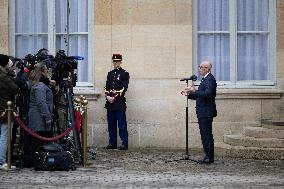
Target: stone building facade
pixel 156 41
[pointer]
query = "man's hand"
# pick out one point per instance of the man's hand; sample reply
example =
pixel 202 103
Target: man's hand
pixel 188 90
pixel 191 89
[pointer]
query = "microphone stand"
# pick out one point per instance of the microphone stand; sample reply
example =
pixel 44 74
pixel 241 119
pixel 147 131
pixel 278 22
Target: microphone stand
pixel 187 156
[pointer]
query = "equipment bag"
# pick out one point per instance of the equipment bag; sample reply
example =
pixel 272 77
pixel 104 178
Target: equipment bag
pixel 52 157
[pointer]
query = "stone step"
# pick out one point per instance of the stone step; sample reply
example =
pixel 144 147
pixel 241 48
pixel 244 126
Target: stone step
pixel 274 127
pixel 273 124
pixel 241 140
pixel 260 132
pixel 222 149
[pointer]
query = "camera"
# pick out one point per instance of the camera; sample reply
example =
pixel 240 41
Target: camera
pixel 66 63
pixel 64 67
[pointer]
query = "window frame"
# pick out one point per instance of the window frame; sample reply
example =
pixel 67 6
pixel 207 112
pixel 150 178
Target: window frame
pixel 52 36
pixel 233 83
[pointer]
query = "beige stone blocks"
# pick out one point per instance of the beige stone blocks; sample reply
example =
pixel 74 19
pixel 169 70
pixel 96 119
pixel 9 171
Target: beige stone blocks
pixel 4 16
pixel 247 111
pixel 3 39
pixel 120 12
pixel 153 35
pixel 148 51
pixel 102 12
pixel 158 12
pixel 280 25
pixel 183 12
pixel 155 38
pixel 4 26
pixel 143 12
pixel 4 4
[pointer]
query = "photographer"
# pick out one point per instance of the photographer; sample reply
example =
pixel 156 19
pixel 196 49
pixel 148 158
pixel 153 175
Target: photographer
pixel 41 105
pixel 8 90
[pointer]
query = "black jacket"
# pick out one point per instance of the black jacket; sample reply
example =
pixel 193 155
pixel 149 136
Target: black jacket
pixel 205 97
pixel 8 90
pixel 116 86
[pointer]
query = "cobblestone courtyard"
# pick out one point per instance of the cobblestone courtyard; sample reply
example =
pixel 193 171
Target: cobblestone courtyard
pixel 148 169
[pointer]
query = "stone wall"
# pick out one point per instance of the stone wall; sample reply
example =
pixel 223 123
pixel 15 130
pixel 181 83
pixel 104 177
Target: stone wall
pixel 155 38
pixel 275 108
pixel 4 26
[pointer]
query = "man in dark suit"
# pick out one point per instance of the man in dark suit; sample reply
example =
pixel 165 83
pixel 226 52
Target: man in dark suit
pixel 116 86
pixel 205 108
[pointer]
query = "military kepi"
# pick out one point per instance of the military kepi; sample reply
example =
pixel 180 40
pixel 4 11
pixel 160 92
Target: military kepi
pixel 116 57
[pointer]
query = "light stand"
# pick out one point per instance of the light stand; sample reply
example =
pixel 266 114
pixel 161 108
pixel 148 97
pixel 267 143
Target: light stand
pixel 187 156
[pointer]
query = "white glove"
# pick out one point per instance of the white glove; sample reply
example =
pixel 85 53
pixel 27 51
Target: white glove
pixel 110 99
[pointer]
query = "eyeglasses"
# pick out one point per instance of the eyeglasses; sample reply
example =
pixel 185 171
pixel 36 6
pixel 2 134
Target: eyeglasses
pixel 200 67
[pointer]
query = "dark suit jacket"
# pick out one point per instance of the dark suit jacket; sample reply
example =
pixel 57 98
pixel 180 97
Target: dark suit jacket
pixel 205 97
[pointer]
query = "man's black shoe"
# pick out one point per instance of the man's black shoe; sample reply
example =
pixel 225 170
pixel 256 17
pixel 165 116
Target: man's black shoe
pixel 123 147
pixel 206 161
pixel 110 146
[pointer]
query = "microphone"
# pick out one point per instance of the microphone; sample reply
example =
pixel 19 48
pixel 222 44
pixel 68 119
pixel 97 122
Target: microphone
pixel 193 78
pixel 77 57
pixel 17 59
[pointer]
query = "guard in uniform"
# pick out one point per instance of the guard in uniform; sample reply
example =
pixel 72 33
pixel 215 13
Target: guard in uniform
pixel 116 86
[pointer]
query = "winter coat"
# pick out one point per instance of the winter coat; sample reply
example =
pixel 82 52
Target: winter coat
pixel 8 90
pixel 41 107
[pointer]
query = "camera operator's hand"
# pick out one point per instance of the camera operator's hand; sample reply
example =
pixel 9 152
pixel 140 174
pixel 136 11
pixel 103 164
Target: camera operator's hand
pixel 11 72
pixel 52 82
pixel 110 99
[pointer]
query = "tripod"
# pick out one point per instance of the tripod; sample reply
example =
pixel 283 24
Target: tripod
pixel 65 99
pixel 187 156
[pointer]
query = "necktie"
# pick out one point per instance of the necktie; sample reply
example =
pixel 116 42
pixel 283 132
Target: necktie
pixel 202 79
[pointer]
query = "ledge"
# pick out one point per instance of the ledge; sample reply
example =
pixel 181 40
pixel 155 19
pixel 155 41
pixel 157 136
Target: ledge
pixel 89 93
pixel 249 94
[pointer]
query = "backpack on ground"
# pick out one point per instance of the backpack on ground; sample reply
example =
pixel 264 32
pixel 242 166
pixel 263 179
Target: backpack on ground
pixel 52 157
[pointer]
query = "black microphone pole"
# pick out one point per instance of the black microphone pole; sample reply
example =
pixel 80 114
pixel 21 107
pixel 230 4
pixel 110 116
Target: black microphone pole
pixel 193 78
pixel 186 126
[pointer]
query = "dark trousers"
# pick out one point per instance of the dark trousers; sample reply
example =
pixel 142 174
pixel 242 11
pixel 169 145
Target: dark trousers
pixel 117 118
pixel 205 128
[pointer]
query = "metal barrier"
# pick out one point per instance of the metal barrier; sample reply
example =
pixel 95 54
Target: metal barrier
pixel 9 113
pixel 84 135
pixel 83 103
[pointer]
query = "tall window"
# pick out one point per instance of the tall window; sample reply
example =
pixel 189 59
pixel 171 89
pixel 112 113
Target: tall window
pixel 239 37
pixel 37 24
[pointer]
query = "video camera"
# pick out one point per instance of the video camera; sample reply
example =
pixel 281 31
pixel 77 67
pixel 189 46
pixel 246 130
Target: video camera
pixel 30 60
pixel 62 66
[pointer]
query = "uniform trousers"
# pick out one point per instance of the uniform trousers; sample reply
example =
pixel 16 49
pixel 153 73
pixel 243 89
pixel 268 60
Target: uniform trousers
pixel 117 118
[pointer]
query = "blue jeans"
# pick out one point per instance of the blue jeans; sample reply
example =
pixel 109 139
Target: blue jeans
pixel 117 118
pixel 3 142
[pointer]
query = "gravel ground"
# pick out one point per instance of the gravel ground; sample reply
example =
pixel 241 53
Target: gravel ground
pixel 152 169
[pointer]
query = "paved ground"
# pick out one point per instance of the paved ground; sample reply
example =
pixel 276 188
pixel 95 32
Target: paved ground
pixel 148 169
